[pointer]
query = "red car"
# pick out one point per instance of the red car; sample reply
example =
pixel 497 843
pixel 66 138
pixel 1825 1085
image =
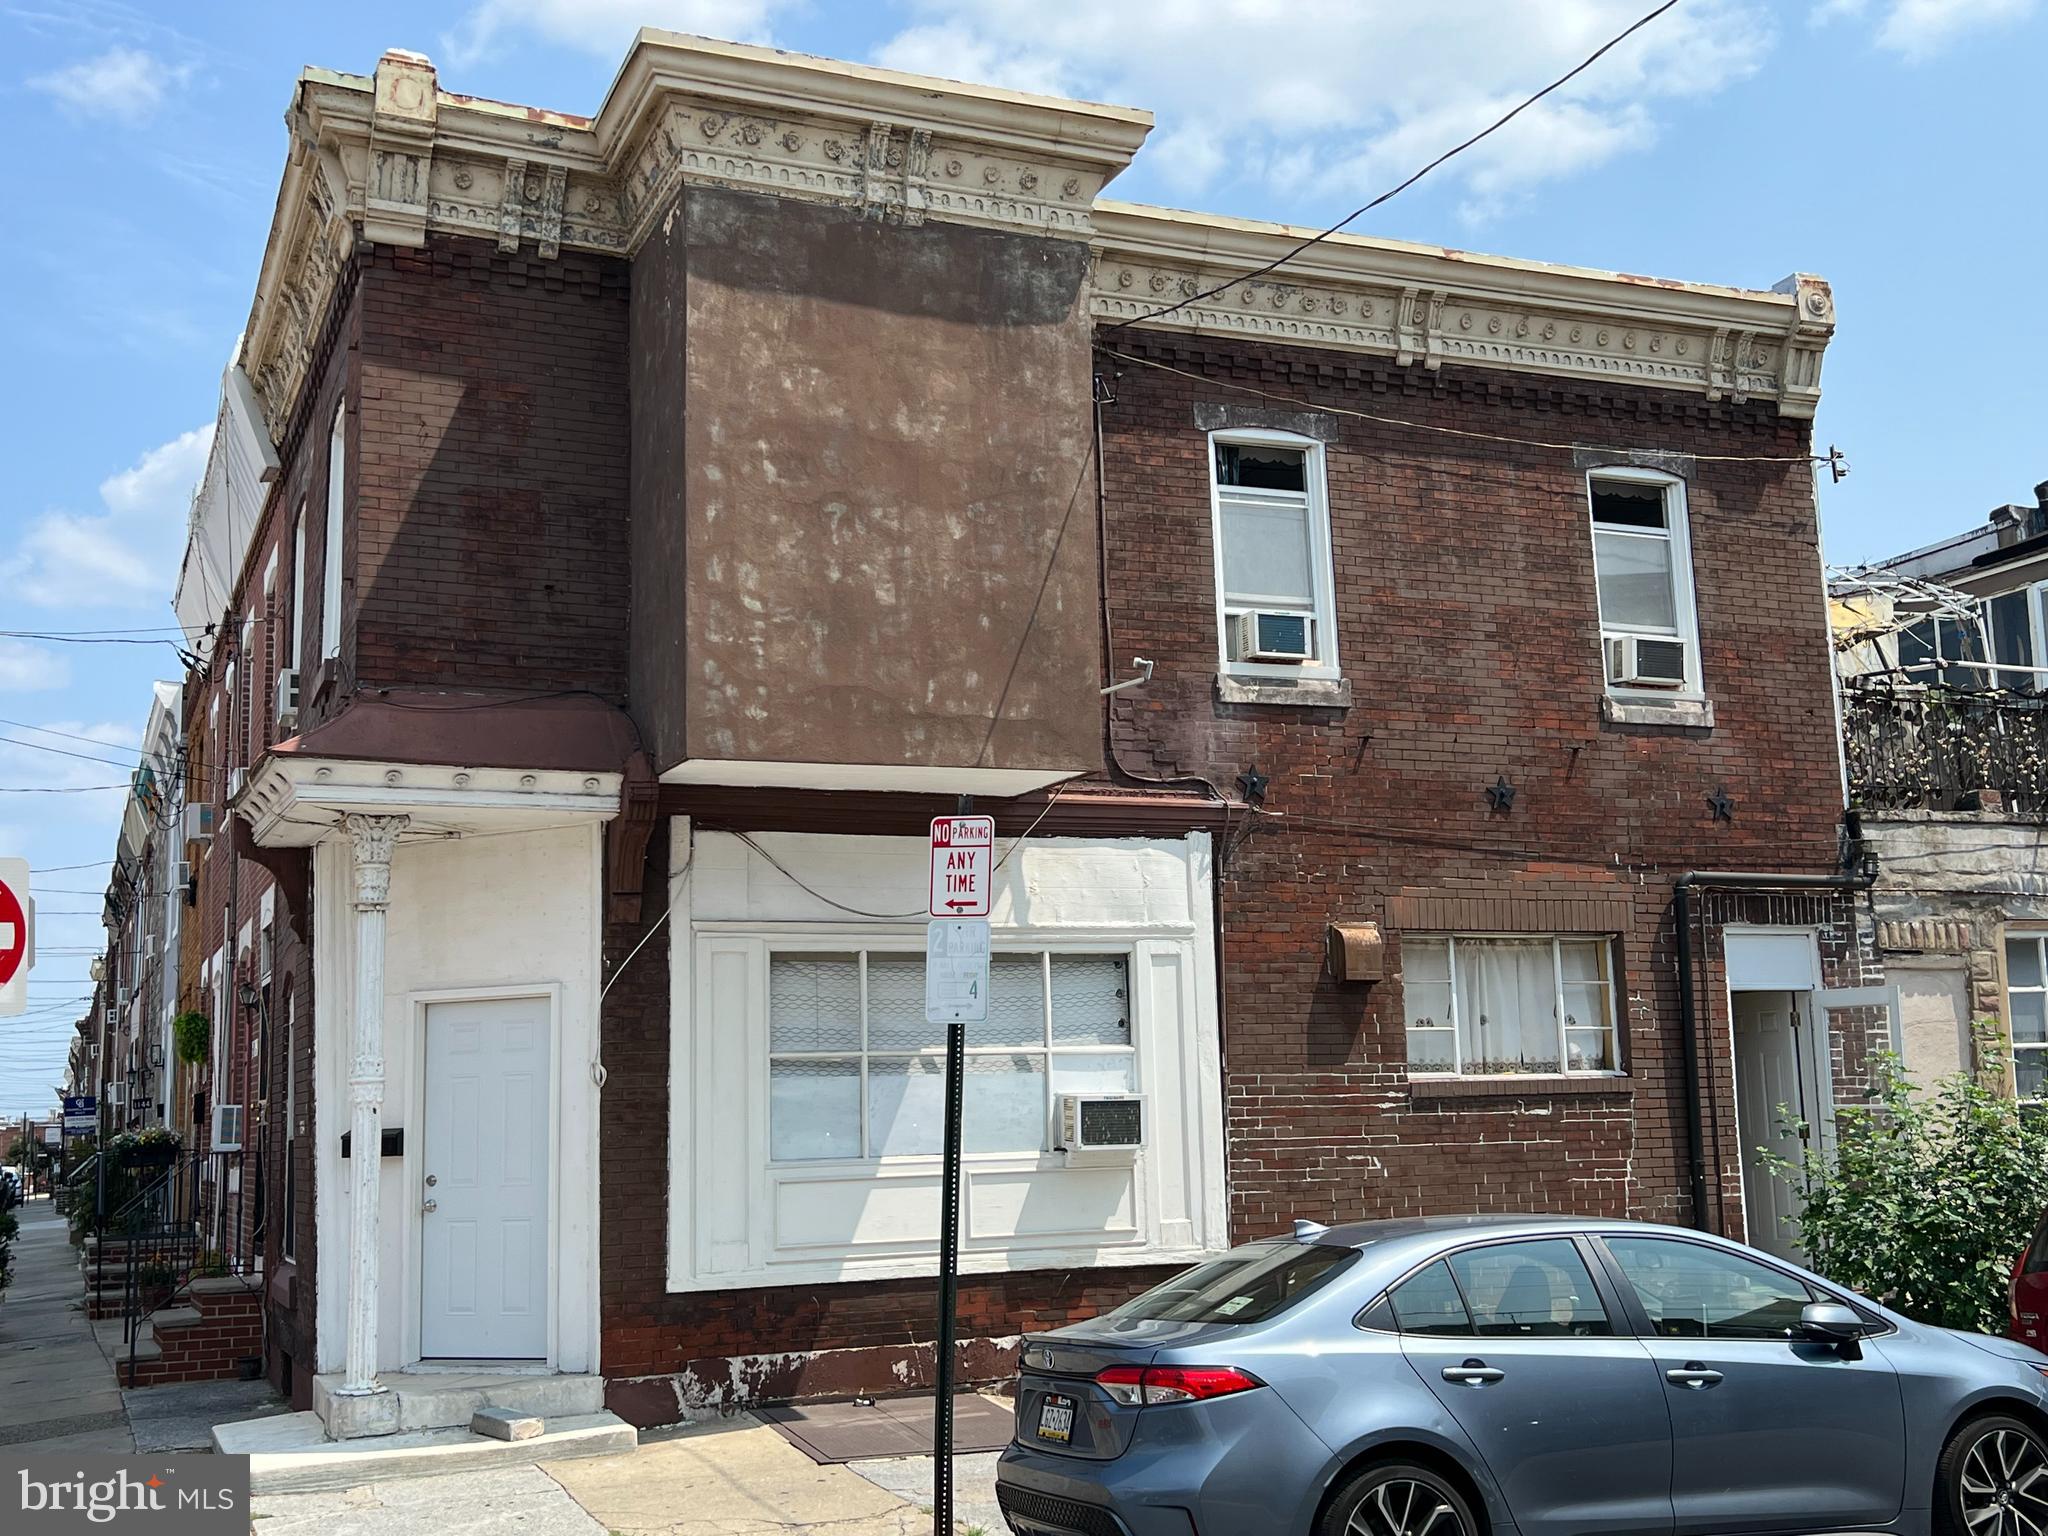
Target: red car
pixel 2030 1291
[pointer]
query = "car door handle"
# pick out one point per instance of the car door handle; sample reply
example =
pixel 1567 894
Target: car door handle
pixel 1473 1373
pixel 1694 1377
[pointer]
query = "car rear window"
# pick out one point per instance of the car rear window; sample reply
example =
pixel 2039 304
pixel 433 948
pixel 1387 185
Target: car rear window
pixel 1246 1285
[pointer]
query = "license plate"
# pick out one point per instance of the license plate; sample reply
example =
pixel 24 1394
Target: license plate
pixel 1056 1419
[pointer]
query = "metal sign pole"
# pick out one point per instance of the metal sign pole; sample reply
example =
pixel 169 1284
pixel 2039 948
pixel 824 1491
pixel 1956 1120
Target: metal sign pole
pixel 949 1269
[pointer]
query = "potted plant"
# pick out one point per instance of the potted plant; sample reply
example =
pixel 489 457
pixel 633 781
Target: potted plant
pixel 156 1147
pixel 193 1035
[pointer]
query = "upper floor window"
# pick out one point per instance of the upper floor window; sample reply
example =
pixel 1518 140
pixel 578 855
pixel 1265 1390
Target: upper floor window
pixel 297 658
pixel 2026 1012
pixel 1479 1006
pixel 1642 564
pixel 337 491
pixel 1275 606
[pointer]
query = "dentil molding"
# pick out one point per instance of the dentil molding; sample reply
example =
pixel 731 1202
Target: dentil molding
pixel 392 158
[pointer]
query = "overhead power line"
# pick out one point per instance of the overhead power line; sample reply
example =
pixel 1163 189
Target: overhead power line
pixel 1364 208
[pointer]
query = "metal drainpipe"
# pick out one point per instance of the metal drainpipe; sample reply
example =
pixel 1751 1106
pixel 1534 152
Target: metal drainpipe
pixel 1688 1021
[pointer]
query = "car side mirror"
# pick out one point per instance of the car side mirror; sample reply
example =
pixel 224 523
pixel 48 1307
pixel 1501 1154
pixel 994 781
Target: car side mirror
pixel 1829 1322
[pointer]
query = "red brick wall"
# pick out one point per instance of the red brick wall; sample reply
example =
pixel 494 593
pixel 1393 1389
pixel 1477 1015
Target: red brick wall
pixel 1468 627
pixel 488 543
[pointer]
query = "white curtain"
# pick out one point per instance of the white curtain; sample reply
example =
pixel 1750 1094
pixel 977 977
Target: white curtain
pixel 1507 1005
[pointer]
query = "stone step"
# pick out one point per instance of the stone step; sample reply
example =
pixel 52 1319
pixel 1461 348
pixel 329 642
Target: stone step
pixel 436 1400
pixel 290 1453
pixel 174 1317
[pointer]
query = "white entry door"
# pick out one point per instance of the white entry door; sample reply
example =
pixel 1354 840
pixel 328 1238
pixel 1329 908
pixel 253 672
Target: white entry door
pixel 1773 1080
pixel 484 1205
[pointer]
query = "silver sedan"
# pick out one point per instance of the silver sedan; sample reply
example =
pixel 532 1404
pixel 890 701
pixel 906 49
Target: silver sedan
pixel 1520 1376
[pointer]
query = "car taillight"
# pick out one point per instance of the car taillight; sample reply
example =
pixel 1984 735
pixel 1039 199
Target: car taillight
pixel 1133 1386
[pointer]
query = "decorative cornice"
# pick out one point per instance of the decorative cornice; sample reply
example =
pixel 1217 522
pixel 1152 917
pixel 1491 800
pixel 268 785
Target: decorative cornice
pixel 293 801
pixel 393 158
pixel 1432 305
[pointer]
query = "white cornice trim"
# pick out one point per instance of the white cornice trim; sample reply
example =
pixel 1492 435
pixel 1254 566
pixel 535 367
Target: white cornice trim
pixel 1432 305
pixel 294 802
pixel 391 157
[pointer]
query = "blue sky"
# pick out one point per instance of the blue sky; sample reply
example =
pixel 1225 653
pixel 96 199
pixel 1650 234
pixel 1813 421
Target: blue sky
pixel 1892 146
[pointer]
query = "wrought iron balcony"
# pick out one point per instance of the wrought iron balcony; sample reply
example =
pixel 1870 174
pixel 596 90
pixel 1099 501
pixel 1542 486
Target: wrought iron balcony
pixel 1942 750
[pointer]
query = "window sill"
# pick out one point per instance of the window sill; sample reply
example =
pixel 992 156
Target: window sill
pixel 1297 693
pixel 1693 714
pixel 1533 1086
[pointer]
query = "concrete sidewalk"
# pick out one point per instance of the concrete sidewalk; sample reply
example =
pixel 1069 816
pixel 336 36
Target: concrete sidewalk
pixel 736 1478
pixel 57 1390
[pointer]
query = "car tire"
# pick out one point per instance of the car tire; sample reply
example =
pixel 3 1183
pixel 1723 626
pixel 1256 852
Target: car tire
pixel 1980 1466
pixel 1397 1498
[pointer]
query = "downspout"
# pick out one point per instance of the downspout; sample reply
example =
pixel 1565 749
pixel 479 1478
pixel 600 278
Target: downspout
pixel 1688 982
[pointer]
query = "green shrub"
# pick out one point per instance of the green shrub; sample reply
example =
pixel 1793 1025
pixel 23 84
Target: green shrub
pixel 1929 1196
pixel 193 1034
pixel 9 1229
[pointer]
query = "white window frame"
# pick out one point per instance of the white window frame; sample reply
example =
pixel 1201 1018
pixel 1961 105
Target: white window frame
pixel 1323 619
pixel 864 1053
pixel 337 494
pixel 298 656
pixel 1557 941
pixel 2013 1047
pixel 1684 596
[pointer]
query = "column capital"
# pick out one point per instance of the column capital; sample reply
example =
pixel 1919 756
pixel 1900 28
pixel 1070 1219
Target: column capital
pixel 373 838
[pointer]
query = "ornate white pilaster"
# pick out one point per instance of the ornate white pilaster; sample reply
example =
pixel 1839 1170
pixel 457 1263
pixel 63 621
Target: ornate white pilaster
pixel 373 838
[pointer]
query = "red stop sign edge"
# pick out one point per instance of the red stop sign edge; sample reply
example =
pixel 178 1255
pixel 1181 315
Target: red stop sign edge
pixel 11 912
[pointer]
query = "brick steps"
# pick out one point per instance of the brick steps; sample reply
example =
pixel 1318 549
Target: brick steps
pixel 207 1337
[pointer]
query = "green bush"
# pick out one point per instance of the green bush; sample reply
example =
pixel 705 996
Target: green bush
pixel 9 1228
pixel 1929 1196
pixel 193 1034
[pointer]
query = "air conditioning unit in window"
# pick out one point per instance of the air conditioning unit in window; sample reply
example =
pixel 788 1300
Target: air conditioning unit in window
pixel 1644 661
pixel 1267 636
pixel 288 699
pixel 1101 1122
pixel 227 1127
pixel 198 823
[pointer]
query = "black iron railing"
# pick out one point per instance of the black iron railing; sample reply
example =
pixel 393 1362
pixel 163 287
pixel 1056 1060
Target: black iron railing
pixel 1941 749
pixel 174 1223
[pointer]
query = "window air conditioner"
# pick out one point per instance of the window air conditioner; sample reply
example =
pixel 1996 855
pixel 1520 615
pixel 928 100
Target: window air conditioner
pixel 1266 636
pixel 227 1127
pixel 238 780
pixel 198 823
pixel 287 714
pixel 1101 1122
pixel 1643 661
pixel 117 1093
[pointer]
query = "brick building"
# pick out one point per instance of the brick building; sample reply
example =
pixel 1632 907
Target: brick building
pixel 662 514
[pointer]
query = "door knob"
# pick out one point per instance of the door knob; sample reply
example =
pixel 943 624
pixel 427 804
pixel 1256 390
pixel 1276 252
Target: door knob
pixel 430 1207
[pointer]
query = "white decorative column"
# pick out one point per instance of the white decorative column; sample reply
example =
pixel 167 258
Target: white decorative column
pixel 373 838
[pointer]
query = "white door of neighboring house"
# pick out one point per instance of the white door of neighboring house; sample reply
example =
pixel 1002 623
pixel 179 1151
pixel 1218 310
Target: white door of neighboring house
pixel 1773 1086
pixel 484 1212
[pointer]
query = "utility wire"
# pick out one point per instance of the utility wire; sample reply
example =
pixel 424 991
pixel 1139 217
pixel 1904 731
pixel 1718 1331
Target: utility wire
pixel 86 757
pixel 1364 208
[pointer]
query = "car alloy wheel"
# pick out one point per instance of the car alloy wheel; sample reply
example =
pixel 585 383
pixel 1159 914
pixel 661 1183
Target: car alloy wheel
pixel 1399 1501
pixel 2004 1484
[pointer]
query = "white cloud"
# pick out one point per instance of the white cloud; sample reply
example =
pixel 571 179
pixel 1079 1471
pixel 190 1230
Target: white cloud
pixel 123 556
pixel 26 761
pixel 1351 95
pixel 126 85
pixel 604 27
pixel 1917 30
pixel 28 668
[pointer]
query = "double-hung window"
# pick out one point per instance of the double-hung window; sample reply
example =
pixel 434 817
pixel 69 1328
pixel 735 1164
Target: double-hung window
pixel 855 1071
pixel 1274 605
pixel 2026 1011
pixel 1482 1007
pixel 1642 565
pixel 337 504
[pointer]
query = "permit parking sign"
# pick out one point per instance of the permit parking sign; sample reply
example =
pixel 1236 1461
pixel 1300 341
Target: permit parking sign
pixel 956 970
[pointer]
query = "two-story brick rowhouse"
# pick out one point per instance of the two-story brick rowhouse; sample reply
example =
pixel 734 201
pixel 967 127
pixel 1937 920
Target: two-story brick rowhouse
pixel 681 505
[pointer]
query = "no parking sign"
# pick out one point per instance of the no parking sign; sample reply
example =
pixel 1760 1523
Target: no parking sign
pixel 17 935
